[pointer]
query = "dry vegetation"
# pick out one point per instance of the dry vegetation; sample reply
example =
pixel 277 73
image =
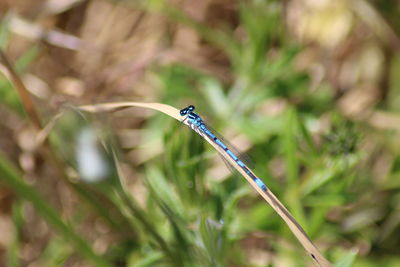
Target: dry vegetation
pixel 310 88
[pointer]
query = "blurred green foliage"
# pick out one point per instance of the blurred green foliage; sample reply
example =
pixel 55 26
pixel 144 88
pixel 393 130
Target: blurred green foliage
pixel 187 217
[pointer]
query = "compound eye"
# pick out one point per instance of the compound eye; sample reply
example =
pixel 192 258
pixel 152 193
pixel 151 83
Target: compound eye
pixel 191 107
pixel 184 111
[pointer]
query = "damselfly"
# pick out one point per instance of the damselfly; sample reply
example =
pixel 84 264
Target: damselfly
pixel 197 123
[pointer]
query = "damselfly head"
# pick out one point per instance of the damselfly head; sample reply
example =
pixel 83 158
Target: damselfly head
pixel 186 110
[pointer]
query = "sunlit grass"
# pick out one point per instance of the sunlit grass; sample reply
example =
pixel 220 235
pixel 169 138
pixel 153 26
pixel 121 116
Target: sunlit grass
pixel 163 205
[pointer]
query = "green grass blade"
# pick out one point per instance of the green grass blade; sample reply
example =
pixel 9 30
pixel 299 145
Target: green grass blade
pixel 347 260
pixel 289 144
pixel 13 251
pixel 292 165
pixel 10 177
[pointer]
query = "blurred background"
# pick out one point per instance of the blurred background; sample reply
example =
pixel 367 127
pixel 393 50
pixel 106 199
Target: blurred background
pixel 309 89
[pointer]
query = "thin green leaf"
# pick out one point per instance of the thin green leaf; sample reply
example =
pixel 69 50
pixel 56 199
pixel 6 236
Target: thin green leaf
pixel 10 177
pixel 347 260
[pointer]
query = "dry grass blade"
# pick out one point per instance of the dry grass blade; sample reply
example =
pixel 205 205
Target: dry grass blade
pixel 380 27
pixel 22 91
pixel 294 226
pixel 37 32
